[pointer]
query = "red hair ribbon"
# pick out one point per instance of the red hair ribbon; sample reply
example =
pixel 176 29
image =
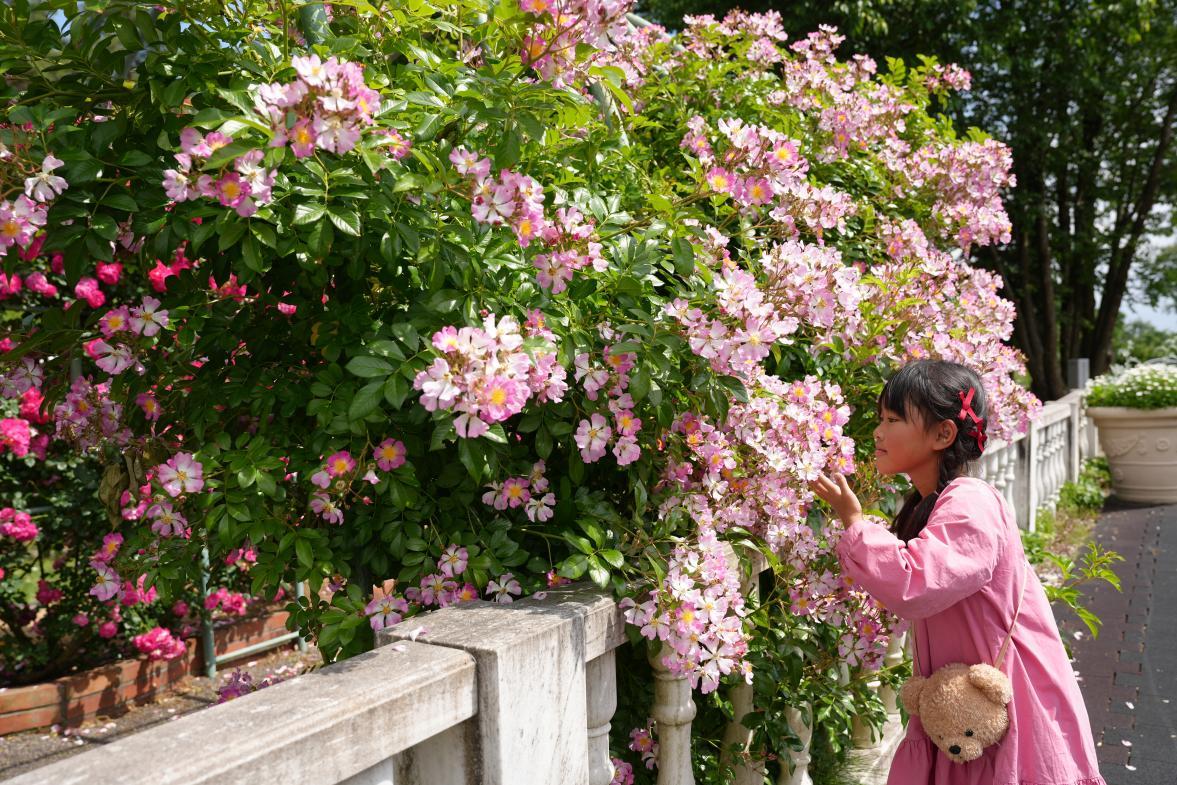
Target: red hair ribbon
pixel 966 412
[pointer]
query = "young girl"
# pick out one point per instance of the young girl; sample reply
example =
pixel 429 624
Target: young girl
pixel 955 567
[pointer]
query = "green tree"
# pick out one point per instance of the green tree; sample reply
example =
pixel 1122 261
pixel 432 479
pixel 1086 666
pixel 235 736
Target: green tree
pixel 1085 94
pixel 1140 340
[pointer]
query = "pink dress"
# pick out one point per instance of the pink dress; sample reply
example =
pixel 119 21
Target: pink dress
pixel 958 582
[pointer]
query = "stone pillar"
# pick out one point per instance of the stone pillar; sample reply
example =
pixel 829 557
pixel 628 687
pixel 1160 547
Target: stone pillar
pixel 1078 372
pixel 673 710
pixel 799 775
pixel 532 713
pixel 601 683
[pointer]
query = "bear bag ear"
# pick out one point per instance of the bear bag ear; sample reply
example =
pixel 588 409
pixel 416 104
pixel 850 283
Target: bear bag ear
pixel 909 695
pixel 992 682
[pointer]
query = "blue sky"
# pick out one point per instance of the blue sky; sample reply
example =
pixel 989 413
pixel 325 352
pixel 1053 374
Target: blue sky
pixel 1163 317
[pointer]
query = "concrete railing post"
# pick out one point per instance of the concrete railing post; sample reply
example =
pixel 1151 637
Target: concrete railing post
pixel 749 769
pixel 1033 475
pixel 800 759
pixel 601 682
pixel 861 733
pixel 532 699
pixel 673 710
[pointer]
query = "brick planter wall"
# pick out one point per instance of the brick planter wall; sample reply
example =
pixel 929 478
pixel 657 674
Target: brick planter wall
pixel 110 689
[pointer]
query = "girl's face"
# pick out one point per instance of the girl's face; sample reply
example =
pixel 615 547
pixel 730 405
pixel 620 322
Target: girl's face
pixel 906 446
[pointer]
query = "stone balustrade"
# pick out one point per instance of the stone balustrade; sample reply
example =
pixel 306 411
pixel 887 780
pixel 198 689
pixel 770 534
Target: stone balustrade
pixel 1031 469
pixel 518 694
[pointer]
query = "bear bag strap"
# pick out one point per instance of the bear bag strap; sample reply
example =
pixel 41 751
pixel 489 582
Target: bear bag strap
pixel 915 654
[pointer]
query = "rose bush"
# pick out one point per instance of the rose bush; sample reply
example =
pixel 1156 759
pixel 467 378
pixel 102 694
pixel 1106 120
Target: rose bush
pixel 484 297
pixel 58 611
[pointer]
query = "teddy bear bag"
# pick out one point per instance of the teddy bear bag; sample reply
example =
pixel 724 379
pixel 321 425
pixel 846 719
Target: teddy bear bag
pixel 962 707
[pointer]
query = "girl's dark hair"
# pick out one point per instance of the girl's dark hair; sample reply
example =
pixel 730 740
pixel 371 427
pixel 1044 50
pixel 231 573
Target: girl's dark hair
pixel 930 391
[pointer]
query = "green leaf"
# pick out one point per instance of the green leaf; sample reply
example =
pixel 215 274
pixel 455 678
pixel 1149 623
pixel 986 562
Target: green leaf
pixel 320 238
pixel 684 256
pixel 639 384
pixel 266 484
pixel 251 255
pixel 366 401
pixel 121 201
pixel 105 227
pixel 387 349
pixel 223 155
pixel 396 389
pixel 264 233
pixel 543 443
pixel 135 158
pixel 614 557
pixel 580 543
pixel 592 530
pixel 507 153
pixel 470 453
pixel 346 221
pixel 369 367
pixel 598 573
pixel 306 212
pixel 230 232
pixel 574 566
pixel 306 554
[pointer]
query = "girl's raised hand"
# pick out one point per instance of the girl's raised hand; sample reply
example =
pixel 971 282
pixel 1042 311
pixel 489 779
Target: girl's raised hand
pixel 836 493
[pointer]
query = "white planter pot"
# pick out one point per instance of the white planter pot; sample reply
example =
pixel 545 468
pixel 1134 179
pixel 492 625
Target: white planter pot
pixel 1141 448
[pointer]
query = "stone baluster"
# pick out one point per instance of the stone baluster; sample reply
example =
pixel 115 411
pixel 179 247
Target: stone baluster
pixel 1060 465
pixel 1009 463
pixel 861 733
pixel 993 471
pixel 1033 478
pixel 1075 439
pixel 1049 463
pixel 986 470
pixel 673 710
pixel 1052 465
pixel 800 759
pixel 894 656
pixel 601 688
pixel 1047 466
pixel 750 769
pixel 1060 458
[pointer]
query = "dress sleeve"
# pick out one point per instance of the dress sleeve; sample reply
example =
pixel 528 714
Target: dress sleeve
pixel 953 557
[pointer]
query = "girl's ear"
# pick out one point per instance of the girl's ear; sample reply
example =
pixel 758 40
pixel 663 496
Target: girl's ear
pixel 944 435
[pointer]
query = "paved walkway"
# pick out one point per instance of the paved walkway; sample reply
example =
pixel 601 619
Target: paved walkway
pixel 1129 673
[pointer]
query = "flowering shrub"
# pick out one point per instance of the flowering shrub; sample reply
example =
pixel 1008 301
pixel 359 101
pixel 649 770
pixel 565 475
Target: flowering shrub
pixel 1145 386
pixel 482 302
